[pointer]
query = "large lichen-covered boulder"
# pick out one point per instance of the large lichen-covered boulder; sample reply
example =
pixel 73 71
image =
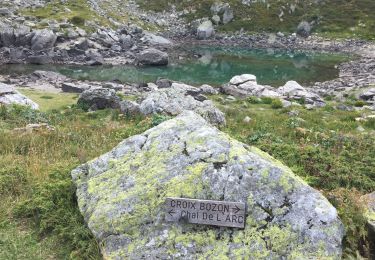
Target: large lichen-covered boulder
pixel 121 196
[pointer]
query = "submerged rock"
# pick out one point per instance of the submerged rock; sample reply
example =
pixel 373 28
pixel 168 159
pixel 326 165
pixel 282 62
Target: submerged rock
pixel 9 95
pixel 121 195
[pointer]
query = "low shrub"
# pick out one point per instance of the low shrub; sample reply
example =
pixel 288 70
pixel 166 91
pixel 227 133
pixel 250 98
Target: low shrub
pixel 277 104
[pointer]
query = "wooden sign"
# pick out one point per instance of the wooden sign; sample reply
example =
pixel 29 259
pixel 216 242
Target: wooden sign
pixel 207 212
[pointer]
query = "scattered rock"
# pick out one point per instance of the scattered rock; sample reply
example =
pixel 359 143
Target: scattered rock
pixel 207 89
pixel 237 80
pixel 129 107
pixel 163 83
pixel 30 128
pixel 120 199
pixel 294 91
pixel 180 97
pixel 247 120
pixel 245 85
pixel 5 11
pixel 9 95
pixel 153 57
pixel 368 95
pixel 228 15
pixel 74 87
pixel 95 58
pixel 205 30
pixel 360 129
pixel 39 59
pixel 154 39
pixel 43 39
pixel 48 76
pixel 216 19
pixel 98 98
pixel 304 29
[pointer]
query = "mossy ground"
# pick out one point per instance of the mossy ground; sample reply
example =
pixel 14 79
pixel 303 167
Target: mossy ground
pixel 38 198
pixel 334 18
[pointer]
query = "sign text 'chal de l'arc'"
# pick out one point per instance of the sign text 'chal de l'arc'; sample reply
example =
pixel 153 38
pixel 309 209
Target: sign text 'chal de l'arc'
pixel 207 212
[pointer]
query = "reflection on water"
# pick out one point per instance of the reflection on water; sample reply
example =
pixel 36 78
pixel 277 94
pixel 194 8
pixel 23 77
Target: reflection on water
pixel 211 65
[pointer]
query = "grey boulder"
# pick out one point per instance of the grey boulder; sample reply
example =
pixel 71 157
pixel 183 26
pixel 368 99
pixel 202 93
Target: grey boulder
pixel 153 57
pixel 99 98
pixel 228 15
pixel 39 59
pixel 245 85
pixel 154 39
pixel 205 30
pixel 43 39
pixel 180 97
pixel 294 91
pixel 74 87
pixel 121 195
pixel 304 29
pixel 9 95
pixel 16 37
pixel 368 94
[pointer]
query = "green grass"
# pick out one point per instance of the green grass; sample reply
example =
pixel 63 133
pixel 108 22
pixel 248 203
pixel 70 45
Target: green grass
pixel 334 18
pixel 322 146
pixel 80 12
pixel 39 216
pixel 49 101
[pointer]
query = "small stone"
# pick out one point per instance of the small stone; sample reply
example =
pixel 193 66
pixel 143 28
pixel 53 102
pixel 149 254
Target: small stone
pixel 360 129
pixel 246 119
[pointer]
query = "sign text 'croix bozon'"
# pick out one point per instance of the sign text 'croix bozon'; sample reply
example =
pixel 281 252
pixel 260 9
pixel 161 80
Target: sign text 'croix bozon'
pixel 207 212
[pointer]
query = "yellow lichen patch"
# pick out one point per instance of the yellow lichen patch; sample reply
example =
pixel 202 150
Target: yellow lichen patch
pixel 189 185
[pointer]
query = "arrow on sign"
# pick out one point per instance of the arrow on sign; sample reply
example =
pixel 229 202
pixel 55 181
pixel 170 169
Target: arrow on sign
pixel 171 212
pixel 236 209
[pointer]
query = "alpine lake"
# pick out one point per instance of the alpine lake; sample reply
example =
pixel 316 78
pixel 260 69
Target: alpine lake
pixel 197 65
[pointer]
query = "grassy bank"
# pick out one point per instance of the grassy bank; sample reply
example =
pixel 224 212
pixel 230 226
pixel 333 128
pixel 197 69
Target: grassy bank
pixel 39 216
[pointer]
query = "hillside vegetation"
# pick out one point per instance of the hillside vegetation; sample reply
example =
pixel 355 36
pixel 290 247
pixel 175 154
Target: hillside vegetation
pixel 332 18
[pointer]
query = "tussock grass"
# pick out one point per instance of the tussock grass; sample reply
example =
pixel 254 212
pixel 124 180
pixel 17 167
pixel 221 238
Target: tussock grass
pixel 39 216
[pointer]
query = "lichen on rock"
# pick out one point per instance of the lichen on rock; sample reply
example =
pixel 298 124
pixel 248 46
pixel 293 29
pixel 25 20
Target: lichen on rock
pixel 121 195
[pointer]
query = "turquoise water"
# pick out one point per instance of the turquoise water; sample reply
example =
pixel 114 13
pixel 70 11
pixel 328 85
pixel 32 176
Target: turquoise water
pixel 210 65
